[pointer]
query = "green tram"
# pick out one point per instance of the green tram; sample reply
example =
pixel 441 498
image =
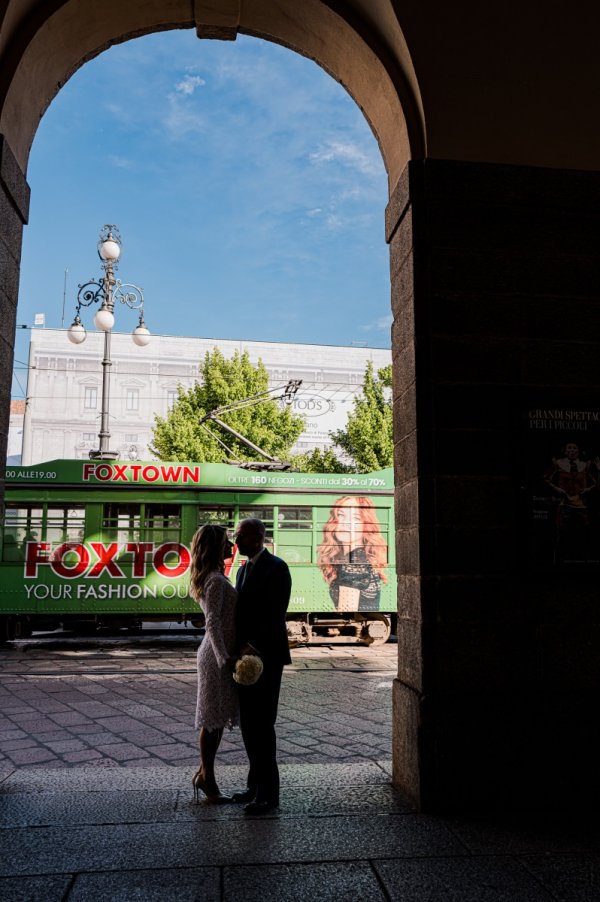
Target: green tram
pixel 91 544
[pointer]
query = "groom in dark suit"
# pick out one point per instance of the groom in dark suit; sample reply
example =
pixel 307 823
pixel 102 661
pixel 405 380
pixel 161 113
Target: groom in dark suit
pixel 263 585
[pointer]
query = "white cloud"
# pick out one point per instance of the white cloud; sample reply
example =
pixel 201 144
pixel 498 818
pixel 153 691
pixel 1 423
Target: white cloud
pixel 381 324
pixel 335 222
pixel 119 112
pixel 188 84
pixel 121 162
pixel 181 118
pixel 348 153
pixel 180 121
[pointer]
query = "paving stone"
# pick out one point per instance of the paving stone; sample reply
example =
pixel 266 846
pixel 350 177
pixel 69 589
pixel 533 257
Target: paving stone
pixel 70 808
pixel 34 889
pixel 85 729
pixel 119 724
pixel 26 717
pixel 52 707
pixel 11 744
pixel 151 762
pixel 317 801
pixel 298 882
pixel 122 751
pixel 93 709
pixel 528 834
pixel 69 745
pixel 135 709
pixel 68 698
pixel 12 710
pixel 461 879
pixel 77 779
pixel 305 741
pixel 569 878
pixel 80 757
pixel 190 762
pixel 237 841
pixel 100 738
pixel 148 737
pixel 95 689
pixel 185 885
pixel 169 752
pixel 31 756
pixel 69 718
pixel 42 727
pixel 335 752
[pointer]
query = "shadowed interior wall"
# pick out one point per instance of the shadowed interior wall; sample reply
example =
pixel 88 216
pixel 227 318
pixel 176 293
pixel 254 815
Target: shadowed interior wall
pixel 14 208
pixel 496 305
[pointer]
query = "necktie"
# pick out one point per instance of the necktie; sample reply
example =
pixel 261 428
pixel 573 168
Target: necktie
pixel 247 569
pixel 573 467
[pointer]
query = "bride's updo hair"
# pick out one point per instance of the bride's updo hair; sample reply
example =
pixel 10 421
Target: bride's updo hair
pixel 208 556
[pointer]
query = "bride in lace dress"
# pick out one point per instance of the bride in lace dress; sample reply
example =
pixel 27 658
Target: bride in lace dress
pixel 217 700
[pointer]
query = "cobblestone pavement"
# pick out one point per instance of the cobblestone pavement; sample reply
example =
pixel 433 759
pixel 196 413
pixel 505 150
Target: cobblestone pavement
pixel 98 746
pixel 125 703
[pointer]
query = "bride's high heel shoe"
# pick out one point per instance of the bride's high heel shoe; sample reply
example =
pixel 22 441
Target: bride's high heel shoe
pixel 199 785
pixel 197 781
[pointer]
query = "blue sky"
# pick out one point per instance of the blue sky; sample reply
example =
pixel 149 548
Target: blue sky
pixel 247 185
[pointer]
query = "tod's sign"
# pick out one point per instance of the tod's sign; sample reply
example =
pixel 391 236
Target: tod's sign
pixel 316 406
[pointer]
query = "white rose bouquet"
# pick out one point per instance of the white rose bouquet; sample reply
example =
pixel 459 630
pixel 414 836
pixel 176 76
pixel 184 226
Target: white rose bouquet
pixel 248 668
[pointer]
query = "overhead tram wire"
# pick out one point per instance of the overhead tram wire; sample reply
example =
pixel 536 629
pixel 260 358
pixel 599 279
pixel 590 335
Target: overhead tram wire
pixel 318 387
pixel 162 375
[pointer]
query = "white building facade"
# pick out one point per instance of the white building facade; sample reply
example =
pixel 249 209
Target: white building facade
pixel 15 433
pixel 64 388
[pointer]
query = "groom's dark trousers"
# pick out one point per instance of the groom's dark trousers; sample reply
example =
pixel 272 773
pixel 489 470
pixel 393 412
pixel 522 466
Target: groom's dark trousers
pixel 263 598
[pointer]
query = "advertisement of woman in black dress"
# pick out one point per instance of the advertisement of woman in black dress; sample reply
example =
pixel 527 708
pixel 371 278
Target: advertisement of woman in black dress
pixel 353 555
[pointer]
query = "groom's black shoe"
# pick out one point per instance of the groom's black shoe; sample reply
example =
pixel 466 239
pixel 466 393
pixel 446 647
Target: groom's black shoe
pixel 245 796
pixel 261 808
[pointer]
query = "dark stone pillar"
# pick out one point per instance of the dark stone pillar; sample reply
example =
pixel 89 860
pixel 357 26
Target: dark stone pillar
pixel 14 207
pixel 496 300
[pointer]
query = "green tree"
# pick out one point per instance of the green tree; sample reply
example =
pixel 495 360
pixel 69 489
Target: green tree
pixel 180 435
pixel 368 437
pixel 317 461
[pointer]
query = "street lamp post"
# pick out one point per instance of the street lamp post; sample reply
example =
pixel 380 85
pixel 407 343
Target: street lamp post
pixel 106 292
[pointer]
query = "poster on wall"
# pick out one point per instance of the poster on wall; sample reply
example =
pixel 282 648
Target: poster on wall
pixel 563 487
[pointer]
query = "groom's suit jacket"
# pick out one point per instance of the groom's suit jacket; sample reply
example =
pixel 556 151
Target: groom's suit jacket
pixel 263 598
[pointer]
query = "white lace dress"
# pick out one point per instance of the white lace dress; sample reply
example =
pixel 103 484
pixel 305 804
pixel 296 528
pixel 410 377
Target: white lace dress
pixel 217 703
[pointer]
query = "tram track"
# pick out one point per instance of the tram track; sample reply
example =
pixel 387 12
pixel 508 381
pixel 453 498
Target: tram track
pixel 68 659
pixel 168 672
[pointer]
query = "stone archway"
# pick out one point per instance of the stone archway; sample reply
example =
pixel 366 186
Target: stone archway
pixel 486 120
pixel 48 48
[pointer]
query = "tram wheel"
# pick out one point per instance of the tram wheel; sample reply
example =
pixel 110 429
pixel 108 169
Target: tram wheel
pixel 299 633
pixel 377 631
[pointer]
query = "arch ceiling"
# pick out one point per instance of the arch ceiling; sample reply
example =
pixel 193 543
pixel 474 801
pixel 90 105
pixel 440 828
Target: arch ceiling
pixel 495 82
pixel 43 44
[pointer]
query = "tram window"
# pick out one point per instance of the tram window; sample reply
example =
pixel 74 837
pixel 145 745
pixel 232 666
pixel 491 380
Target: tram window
pixel 162 522
pixel 121 522
pixel 261 513
pixel 219 515
pixel 295 518
pixel 22 524
pixel 65 524
pixel 295 548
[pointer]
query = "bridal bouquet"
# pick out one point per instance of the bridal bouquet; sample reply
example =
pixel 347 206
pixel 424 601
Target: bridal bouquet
pixel 248 668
